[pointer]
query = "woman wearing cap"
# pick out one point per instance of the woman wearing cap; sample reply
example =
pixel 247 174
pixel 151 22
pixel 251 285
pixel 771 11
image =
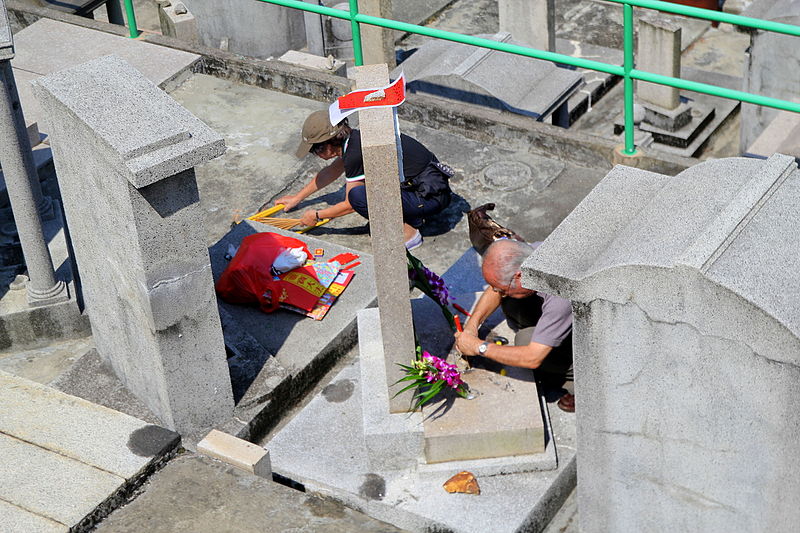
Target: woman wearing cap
pixel 424 191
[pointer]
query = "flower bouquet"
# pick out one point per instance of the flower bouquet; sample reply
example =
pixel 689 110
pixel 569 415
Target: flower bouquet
pixel 430 284
pixel 431 374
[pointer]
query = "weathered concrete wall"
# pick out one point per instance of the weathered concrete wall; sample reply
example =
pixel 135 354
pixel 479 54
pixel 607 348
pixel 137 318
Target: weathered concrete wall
pixel 254 29
pixel 687 346
pixel 124 152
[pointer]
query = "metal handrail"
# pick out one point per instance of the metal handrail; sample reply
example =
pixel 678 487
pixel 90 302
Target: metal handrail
pixel 627 71
pixel 132 29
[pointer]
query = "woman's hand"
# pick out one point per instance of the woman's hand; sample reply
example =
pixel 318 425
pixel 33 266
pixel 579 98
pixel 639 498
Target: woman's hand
pixel 289 202
pixel 309 218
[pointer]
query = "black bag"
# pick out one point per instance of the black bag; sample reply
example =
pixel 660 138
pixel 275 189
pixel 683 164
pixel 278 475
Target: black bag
pixel 432 182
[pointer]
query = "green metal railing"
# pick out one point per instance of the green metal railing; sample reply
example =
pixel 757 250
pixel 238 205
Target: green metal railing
pixel 627 71
pixel 132 28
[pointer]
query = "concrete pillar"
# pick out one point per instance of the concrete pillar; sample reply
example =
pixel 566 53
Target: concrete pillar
pixel 382 153
pixel 314 40
pixel 22 182
pixel 686 346
pixel 125 154
pixel 377 44
pixel 659 51
pixel 529 21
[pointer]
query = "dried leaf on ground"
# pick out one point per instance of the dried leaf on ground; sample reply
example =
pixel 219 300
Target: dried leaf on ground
pixel 462 482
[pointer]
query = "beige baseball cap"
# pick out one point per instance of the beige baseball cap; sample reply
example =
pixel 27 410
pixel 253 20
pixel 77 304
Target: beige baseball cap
pixel 316 129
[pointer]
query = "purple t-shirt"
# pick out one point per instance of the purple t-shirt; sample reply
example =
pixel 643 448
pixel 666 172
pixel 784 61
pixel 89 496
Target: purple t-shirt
pixel 551 315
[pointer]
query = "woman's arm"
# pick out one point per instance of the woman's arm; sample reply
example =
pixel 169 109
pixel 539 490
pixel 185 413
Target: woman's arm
pixel 324 177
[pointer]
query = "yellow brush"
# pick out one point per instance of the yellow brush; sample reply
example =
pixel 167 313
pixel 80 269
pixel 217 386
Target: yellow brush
pixel 265 217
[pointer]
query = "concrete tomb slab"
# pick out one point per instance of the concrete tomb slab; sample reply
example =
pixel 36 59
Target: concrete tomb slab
pixel 687 330
pixel 127 180
pixel 474 75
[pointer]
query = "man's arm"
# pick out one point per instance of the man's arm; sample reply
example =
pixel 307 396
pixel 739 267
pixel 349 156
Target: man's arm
pixel 487 304
pixel 529 356
pixel 324 177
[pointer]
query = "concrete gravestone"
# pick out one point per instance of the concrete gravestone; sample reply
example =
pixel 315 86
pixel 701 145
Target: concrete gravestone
pixel 124 153
pixel 687 346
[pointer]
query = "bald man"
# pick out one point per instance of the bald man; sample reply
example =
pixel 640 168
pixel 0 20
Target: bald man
pixel 543 322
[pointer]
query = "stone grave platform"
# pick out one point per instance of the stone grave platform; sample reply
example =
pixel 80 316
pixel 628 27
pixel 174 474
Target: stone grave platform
pixel 36 56
pixel 275 357
pixel 61 482
pixel 323 448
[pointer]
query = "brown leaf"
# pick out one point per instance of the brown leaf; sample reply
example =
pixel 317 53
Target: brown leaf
pixel 462 482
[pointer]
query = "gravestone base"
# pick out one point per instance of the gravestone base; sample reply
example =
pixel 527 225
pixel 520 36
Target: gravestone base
pixel 458 429
pixel 449 433
pixel 710 115
pixel 393 440
pixel 667 119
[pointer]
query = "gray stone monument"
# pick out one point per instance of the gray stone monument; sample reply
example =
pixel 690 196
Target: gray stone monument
pixel 254 29
pixel 176 21
pixel 124 152
pixel 22 181
pixel 467 74
pixel 659 51
pixel 382 154
pixel 687 346
pixel 531 21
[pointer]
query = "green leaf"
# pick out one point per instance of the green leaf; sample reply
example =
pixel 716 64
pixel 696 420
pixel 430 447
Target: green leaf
pixel 407 388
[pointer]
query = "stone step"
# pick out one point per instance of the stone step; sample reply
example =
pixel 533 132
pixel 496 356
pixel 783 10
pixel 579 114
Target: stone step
pixel 203 495
pixel 70 457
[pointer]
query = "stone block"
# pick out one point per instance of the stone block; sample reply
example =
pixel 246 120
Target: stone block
pixel 314 62
pixel 667 119
pixel 393 440
pixel 659 52
pixel 686 332
pixel 237 452
pixel 124 152
pixel 483 427
pixel 177 22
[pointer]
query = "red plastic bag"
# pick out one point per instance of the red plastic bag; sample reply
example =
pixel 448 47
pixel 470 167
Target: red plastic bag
pixel 248 280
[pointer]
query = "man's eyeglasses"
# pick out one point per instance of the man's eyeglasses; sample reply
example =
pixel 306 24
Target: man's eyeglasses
pixel 504 292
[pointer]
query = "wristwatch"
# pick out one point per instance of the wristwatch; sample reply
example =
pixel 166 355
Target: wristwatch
pixel 483 347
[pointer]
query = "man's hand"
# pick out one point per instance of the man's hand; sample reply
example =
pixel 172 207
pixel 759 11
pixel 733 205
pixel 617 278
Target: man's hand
pixel 309 218
pixel 289 202
pixel 467 344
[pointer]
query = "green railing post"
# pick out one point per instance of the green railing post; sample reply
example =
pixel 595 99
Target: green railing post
pixel 627 66
pixel 134 32
pixel 357 57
